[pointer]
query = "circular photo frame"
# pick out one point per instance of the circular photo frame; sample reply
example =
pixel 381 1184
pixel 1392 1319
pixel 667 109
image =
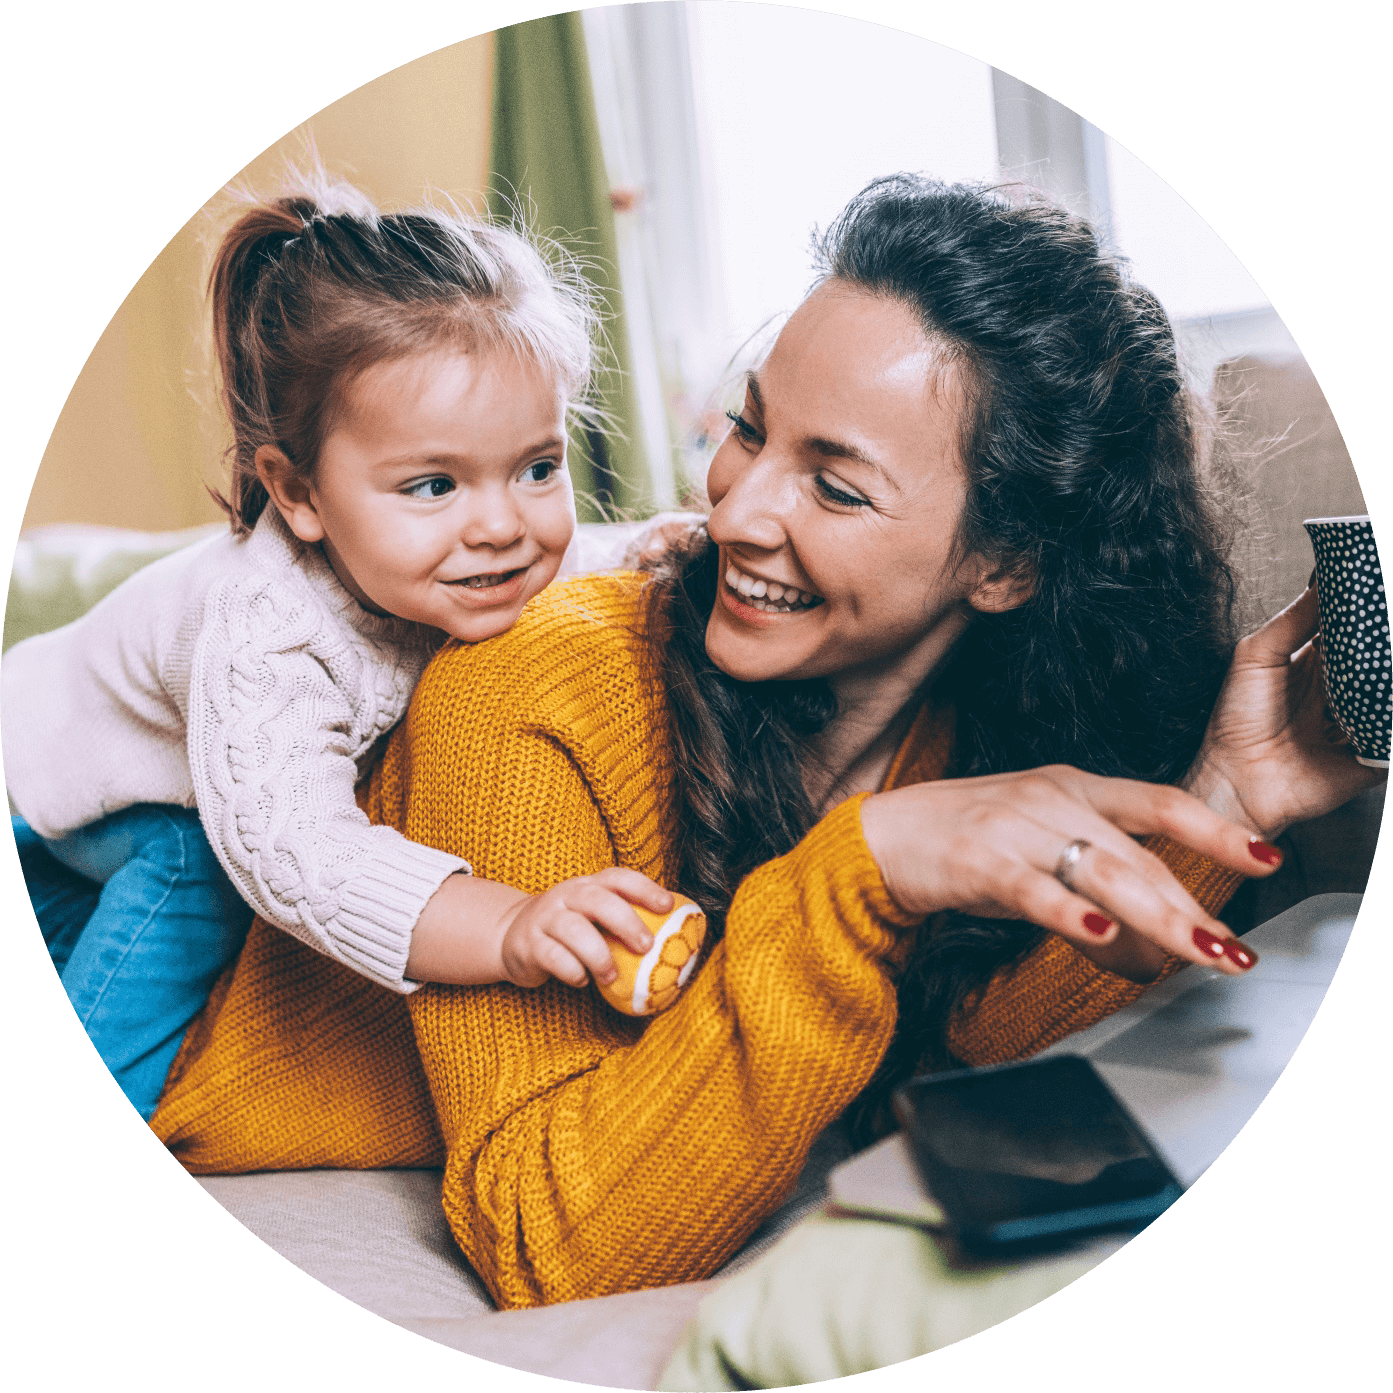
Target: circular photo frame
pixel 680 175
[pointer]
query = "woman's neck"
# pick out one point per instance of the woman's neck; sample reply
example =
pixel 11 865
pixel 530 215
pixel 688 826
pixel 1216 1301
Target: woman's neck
pixel 853 757
pixel 875 708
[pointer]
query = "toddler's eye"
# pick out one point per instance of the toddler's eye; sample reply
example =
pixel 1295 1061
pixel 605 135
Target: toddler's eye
pixel 540 472
pixel 435 487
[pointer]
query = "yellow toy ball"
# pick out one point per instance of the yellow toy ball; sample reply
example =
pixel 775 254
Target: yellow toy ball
pixel 649 982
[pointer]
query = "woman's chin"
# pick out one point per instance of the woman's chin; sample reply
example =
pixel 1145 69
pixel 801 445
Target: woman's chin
pixel 754 657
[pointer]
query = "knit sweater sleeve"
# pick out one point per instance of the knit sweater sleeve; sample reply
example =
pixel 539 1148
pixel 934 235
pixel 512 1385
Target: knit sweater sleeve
pixel 587 1152
pixel 282 701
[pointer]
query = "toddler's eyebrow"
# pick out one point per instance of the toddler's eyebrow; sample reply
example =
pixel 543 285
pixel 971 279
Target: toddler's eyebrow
pixel 553 444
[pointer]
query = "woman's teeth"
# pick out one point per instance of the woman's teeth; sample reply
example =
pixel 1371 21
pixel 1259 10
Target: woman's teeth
pixel 769 596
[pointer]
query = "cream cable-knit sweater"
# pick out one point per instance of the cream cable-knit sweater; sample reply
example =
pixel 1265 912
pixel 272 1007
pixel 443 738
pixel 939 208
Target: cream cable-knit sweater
pixel 239 676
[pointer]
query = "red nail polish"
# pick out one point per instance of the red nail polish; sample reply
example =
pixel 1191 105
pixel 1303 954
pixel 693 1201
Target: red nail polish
pixel 1238 954
pixel 1207 943
pixel 1264 851
pixel 1097 923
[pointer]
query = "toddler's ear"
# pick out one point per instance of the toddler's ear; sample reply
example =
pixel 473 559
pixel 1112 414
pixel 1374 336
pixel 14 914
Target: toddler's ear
pixel 290 491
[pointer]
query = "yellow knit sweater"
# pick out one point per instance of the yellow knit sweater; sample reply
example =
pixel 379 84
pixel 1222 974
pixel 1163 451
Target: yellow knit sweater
pixel 586 1152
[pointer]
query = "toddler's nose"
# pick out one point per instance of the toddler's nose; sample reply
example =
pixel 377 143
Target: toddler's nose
pixel 494 521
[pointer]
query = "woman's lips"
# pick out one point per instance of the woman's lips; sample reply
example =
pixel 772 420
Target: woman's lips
pixel 767 596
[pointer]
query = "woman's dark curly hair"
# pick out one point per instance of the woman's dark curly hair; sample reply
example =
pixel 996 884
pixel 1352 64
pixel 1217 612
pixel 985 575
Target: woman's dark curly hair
pixel 1082 457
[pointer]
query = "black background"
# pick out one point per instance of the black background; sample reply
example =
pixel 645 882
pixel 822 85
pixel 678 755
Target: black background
pixel 123 1262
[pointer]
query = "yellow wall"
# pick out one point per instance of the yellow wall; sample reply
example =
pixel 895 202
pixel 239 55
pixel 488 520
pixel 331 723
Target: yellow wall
pixel 140 434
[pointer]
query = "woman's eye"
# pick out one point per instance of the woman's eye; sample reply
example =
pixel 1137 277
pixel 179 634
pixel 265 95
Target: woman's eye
pixel 435 487
pixel 747 433
pixel 839 496
pixel 540 472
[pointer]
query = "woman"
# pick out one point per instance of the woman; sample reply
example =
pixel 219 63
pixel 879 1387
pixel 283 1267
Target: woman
pixel 956 531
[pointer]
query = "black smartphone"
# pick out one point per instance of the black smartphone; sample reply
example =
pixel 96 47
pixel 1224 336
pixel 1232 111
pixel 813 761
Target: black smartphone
pixel 1027 1156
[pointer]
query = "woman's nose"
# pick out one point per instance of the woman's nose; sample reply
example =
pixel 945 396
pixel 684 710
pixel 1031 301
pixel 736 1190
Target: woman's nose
pixel 491 519
pixel 752 500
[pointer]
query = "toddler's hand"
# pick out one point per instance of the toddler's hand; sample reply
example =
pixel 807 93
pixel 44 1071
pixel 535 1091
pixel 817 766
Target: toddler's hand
pixel 557 934
pixel 661 535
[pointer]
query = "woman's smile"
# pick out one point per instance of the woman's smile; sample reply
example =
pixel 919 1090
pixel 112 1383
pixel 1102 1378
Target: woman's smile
pixel 744 590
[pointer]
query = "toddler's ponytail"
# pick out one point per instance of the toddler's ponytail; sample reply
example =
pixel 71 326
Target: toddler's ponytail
pixel 236 289
pixel 310 289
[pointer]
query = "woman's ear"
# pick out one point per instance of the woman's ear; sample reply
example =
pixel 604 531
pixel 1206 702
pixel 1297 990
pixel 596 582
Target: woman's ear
pixel 999 591
pixel 291 492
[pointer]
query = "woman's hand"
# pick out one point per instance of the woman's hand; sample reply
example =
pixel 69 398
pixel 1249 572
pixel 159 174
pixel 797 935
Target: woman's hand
pixel 992 847
pixel 1272 755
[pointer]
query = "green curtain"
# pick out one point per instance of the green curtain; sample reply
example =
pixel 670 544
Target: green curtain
pixel 545 150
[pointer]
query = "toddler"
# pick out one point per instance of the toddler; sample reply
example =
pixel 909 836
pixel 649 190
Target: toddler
pixel 398 387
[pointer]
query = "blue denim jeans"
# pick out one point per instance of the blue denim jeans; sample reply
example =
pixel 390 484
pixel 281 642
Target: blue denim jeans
pixel 139 919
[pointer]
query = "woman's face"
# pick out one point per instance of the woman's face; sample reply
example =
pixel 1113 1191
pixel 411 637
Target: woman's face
pixel 836 502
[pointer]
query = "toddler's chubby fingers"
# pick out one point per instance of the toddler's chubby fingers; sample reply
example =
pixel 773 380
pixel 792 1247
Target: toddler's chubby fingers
pixel 554 958
pixel 612 912
pixel 583 944
pixel 636 887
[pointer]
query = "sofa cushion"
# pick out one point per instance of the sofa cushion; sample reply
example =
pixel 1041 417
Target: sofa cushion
pixel 380 1239
pixel 62 570
pixel 377 1237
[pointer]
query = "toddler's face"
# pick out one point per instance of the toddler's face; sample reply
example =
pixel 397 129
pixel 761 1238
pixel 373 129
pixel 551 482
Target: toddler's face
pixel 441 492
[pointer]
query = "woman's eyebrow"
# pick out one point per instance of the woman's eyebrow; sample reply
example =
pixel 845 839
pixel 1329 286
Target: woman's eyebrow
pixel 822 445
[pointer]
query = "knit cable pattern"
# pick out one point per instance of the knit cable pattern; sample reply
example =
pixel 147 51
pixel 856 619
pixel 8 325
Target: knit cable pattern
pixel 292 683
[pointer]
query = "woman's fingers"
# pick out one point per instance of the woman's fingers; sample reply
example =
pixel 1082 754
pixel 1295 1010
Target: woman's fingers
pixel 1045 901
pixel 1109 881
pixel 997 846
pixel 1144 809
pixel 1133 894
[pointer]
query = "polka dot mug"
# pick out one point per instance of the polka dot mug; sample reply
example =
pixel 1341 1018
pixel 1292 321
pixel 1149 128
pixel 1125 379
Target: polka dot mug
pixel 1354 633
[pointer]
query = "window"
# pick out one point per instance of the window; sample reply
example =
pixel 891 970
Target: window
pixel 732 130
